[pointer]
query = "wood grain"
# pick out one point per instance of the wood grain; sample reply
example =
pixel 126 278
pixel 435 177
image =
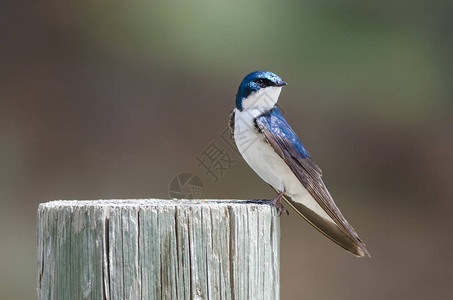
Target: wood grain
pixel 158 249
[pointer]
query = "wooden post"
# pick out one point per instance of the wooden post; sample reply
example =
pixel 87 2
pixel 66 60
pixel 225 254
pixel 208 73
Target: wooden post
pixel 158 249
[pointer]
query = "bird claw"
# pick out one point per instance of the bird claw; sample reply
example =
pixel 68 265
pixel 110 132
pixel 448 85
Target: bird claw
pixel 281 209
pixel 274 202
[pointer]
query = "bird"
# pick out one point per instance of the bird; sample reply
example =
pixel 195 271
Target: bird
pixel 273 150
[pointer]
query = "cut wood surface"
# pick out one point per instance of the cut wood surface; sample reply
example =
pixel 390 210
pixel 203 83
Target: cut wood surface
pixel 158 249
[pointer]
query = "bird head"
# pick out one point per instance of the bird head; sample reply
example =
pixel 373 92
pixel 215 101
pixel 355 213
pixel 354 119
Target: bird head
pixel 259 89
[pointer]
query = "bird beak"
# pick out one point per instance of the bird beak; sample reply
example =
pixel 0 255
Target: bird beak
pixel 281 83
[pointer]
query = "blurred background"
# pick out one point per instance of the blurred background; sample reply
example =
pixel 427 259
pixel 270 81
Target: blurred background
pixel 113 100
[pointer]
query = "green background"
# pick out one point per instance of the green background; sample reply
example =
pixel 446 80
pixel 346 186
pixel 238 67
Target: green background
pixel 106 99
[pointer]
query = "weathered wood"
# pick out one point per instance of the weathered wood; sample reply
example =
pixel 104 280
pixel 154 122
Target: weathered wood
pixel 158 249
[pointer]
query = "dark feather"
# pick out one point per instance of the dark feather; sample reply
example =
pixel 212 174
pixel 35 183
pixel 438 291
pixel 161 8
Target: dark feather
pixel 288 146
pixel 231 124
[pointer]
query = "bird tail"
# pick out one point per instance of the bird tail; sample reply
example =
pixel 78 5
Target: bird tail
pixel 329 229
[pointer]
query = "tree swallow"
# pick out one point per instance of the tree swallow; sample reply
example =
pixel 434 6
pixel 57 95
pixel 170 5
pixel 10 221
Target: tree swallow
pixel 273 150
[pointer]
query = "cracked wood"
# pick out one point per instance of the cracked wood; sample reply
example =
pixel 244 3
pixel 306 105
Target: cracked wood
pixel 158 249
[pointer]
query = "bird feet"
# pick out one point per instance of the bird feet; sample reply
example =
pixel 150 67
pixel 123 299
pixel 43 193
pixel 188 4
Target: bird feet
pixel 274 202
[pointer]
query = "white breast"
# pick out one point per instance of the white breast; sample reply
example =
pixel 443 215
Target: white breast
pixel 264 98
pixel 262 158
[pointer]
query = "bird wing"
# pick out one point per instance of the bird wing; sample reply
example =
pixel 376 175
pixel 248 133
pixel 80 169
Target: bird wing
pixel 288 146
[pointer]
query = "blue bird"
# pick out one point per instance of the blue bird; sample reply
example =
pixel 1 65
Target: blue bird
pixel 272 149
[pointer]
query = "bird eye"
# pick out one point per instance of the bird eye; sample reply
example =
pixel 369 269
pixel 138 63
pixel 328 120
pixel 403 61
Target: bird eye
pixel 260 81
